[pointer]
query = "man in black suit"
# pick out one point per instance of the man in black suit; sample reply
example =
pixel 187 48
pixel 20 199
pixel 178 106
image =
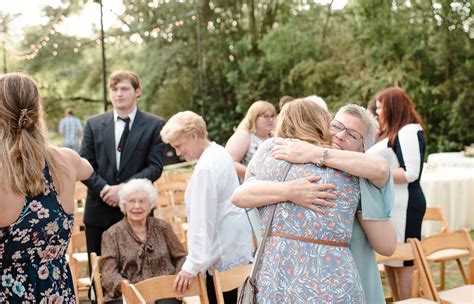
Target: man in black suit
pixel 122 144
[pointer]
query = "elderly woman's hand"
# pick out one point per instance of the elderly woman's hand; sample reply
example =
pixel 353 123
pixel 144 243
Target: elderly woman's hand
pixel 183 281
pixel 294 150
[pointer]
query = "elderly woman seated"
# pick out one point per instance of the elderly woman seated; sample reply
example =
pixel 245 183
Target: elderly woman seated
pixel 138 247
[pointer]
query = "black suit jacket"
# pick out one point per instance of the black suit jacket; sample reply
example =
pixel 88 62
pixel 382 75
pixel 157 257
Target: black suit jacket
pixel 142 157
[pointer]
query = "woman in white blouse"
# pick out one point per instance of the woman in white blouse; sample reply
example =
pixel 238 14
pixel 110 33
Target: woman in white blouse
pixel 403 140
pixel 219 234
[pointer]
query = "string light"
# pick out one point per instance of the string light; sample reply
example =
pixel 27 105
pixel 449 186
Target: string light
pixel 134 37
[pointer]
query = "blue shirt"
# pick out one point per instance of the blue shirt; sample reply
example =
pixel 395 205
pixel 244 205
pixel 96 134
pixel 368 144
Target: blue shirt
pixel 376 205
pixel 70 127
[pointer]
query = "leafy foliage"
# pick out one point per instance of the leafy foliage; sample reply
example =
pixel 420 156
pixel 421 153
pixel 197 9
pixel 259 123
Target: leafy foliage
pixel 235 52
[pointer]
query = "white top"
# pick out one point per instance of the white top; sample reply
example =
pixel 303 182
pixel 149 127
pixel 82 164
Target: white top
pixel 219 234
pixel 410 147
pixel 118 129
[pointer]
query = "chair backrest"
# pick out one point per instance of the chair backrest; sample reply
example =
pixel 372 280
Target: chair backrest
pixel 181 176
pixel 80 193
pixel 407 252
pixel 78 242
pixel 130 293
pixel 230 280
pixel 174 189
pixel 450 240
pixel 162 287
pixel 170 212
pixel 436 214
pixel 99 293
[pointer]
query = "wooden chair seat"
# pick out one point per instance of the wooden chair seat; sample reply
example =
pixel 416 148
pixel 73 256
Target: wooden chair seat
pixel 81 257
pixel 83 282
pixel 415 301
pixel 447 254
pixel 462 294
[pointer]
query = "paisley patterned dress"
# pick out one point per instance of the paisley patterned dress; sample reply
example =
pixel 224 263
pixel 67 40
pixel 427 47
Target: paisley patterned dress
pixel 33 267
pixel 295 271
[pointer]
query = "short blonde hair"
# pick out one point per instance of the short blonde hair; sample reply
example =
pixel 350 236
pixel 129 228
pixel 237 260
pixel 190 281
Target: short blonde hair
pixel 256 109
pixel 137 185
pixel 183 123
pixel 305 120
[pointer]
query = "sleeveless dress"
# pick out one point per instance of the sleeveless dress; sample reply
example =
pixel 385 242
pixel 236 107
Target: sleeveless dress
pixel 295 271
pixel 33 267
pixel 410 203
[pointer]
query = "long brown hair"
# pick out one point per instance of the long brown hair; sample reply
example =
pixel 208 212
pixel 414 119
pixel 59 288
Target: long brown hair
pixel 304 119
pixel 23 148
pixel 398 110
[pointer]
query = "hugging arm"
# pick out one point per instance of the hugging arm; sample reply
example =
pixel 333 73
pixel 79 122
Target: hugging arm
pixel 369 166
pixel 257 193
pixel 381 235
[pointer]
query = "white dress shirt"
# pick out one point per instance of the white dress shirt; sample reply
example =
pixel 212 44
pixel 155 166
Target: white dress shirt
pixel 118 129
pixel 219 234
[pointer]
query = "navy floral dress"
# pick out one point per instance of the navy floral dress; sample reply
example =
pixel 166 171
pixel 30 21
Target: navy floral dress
pixel 33 267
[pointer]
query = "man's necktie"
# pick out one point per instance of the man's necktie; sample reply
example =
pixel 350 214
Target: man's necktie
pixel 124 136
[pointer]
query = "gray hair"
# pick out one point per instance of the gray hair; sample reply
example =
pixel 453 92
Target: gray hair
pixel 137 185
pixel 369 121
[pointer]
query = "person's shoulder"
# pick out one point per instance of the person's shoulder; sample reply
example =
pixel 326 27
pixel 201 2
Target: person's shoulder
pixel 64 155
pixel 412 127
pixel 99 118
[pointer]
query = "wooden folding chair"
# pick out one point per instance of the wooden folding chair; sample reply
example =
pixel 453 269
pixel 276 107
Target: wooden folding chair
pixel 174 189
pixel 96 277
pixel 449 240
pixel 181 176
pixel 230 280
pixel 79 263
pixel 80 194
pixel 406 252
pixel 170 212
pixel 161 287
pixel 441 257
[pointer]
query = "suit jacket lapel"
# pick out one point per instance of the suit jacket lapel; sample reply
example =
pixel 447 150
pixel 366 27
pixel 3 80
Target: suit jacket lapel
pixel 108 135
pixel 138 126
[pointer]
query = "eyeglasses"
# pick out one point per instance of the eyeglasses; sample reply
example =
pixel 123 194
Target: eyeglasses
pixel 351 134
pixel 267 116
pixel 140 202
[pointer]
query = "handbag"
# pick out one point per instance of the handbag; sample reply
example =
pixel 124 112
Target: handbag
pixel 248 291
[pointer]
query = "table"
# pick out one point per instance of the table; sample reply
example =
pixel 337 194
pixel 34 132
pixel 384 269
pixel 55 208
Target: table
pixel 450 159
pixel 452 189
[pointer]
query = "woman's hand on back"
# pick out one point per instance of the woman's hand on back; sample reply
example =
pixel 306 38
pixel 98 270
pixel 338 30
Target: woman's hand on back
pixel 294 150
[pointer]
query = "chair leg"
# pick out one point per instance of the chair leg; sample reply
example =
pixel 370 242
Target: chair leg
pixel 442 273
pixel 461 269
pixel 415 289
pixel 392 282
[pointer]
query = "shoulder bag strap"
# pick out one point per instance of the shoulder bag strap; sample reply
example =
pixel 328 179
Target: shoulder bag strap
pixel 260 249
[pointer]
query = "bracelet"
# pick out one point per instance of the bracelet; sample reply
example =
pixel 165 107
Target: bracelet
pixel 323 158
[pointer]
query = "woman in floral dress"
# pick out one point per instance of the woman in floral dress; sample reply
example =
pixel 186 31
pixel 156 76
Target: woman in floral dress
pixel 306 258
pixel 37 186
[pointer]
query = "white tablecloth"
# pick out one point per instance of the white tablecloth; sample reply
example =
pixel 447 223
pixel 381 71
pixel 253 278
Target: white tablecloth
pixel 452 189
pixel 450 159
